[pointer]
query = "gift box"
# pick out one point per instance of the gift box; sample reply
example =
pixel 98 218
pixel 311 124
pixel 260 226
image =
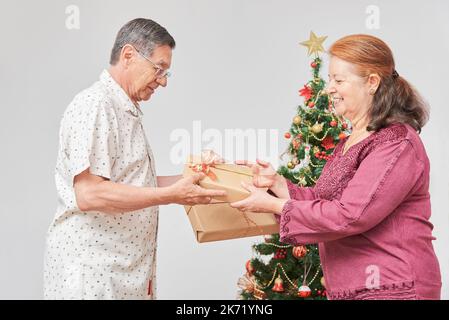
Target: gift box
pixel 218 220
pixel 226 177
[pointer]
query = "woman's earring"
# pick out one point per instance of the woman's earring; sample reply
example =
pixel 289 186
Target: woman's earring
pixel 372 92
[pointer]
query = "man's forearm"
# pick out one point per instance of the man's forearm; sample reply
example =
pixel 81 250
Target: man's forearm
pixel 165 181
pixel 112 197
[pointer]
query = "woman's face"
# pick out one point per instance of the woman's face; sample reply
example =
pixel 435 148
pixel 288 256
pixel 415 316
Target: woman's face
pixel 350 92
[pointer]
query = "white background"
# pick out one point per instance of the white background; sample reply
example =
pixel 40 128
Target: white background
pixel 237 65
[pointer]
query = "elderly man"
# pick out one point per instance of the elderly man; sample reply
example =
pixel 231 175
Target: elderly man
pixel 102 242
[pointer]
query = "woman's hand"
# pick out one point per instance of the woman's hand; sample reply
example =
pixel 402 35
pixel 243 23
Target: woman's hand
pixel 265 176
pixel 259 201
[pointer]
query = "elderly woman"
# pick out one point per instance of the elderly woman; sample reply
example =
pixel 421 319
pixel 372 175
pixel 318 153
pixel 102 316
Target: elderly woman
pixel 369 211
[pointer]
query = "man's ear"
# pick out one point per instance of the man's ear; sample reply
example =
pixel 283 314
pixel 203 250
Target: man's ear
pixel 127 54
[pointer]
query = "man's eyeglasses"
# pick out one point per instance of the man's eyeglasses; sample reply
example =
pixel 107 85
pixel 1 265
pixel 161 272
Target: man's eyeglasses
pixel 160 72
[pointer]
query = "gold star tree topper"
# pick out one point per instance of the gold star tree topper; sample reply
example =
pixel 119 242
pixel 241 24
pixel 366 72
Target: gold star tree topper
pixel 314 44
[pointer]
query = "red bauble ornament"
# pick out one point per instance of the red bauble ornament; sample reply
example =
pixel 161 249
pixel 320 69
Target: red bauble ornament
pixel 341 136
pixel 333 123
pixel 304 291
pixel 287 135
pixel 249 267
pixel 278 285
pixel 344 125
pixel 311 104
pixel 314 65
pixel 299 252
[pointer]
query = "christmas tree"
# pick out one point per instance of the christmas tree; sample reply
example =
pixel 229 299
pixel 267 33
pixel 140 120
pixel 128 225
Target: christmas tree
pixel 295 272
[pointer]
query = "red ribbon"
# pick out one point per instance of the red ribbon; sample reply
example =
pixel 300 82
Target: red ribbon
pixel 204 168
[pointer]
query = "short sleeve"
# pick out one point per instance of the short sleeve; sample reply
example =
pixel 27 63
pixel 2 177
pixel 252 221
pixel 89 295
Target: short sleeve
pixel 90 137
pixel 384 179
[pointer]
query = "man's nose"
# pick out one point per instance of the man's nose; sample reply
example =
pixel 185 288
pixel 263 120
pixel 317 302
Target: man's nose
pixel 162 81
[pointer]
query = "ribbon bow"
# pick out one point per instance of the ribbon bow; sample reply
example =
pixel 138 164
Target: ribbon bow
pixel 204 168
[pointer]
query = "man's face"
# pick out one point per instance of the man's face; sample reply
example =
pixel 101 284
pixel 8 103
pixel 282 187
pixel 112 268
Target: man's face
pixel 142 74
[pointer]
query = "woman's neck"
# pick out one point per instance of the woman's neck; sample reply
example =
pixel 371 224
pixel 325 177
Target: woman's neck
pixel 360 123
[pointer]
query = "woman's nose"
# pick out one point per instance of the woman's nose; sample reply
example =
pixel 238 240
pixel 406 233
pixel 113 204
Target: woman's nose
pixel 329 89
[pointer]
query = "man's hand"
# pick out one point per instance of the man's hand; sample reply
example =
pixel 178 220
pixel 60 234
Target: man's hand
pixel 186 191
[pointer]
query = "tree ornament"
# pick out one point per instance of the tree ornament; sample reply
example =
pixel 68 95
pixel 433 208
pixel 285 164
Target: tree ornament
pixel 341 136
pixel 314 64
pixel 317 127
pixel 333 123
pixel 278 285
pixel 246 283
pixel 280 254
pixel 323 282
pixel 249 267
pixel 306 92
pixel 344 125
pixel 296 143
pixel 287 135
pixel 259 294
pixel 297 120
pixel 304 291
pixel 314 44
pixel 290 165
pixel 299 252
pixel 311 104
pixel 328 143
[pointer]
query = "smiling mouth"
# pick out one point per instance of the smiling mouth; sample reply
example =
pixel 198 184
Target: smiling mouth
pixel 337 100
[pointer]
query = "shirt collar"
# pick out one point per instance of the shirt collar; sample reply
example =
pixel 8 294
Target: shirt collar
pixel 118 91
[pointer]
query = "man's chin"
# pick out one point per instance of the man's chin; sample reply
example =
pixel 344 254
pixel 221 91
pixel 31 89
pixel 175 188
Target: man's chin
pixel 146 97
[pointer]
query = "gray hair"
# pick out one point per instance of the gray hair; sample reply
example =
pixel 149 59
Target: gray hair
pixel 144 34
